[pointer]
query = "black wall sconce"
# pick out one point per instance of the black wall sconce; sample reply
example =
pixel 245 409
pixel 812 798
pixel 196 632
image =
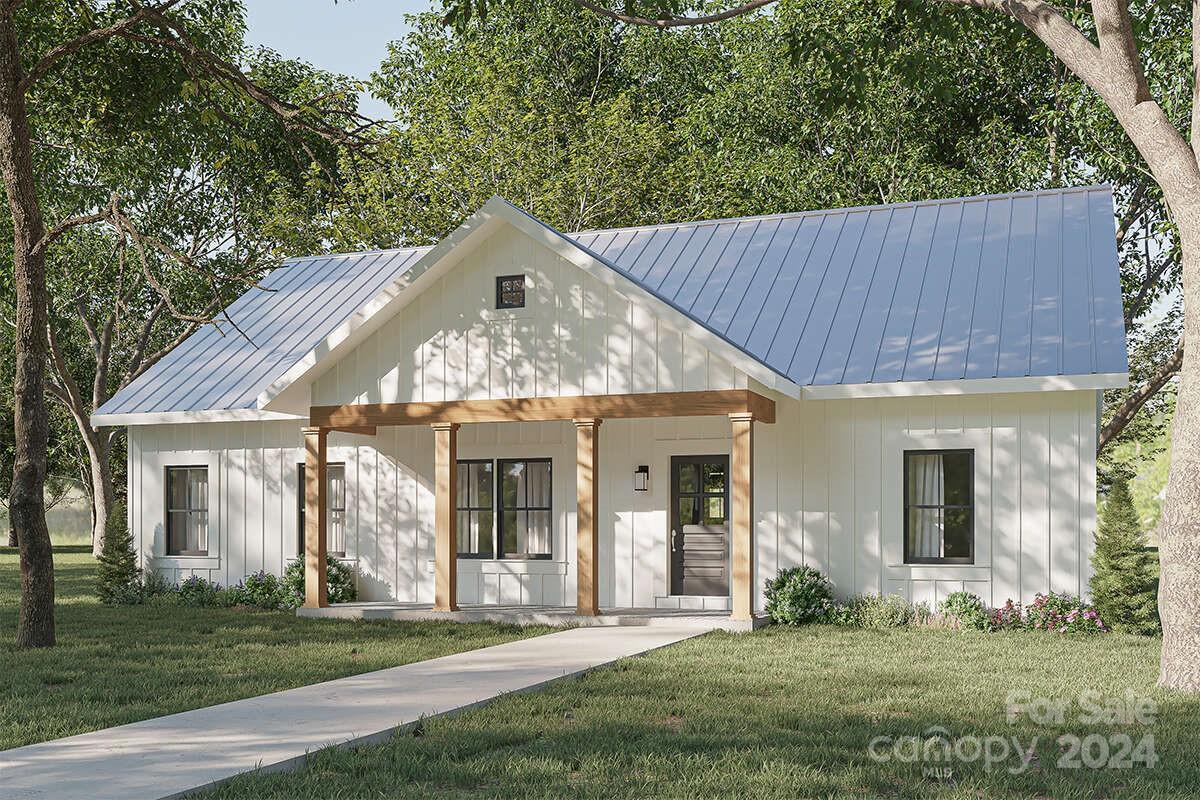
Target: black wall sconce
pixel 641 478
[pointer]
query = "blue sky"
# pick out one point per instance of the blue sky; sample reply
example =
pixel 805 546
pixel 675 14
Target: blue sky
pixel 349 37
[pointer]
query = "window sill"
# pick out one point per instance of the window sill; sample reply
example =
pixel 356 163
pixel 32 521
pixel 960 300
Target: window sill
pixel 185 562
pixel 508 566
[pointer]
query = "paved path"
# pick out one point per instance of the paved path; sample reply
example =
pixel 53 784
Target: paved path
pixel 169 756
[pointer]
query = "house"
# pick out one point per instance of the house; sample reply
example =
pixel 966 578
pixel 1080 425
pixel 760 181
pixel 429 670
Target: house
pixel 903 396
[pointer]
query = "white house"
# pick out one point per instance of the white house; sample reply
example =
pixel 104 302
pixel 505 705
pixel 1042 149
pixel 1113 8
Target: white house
pixel 903 396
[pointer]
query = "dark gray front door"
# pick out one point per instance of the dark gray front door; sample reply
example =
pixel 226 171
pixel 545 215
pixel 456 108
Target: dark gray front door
pixel 700 525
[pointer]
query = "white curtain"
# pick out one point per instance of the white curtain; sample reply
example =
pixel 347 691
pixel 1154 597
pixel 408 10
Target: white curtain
pixel 926 487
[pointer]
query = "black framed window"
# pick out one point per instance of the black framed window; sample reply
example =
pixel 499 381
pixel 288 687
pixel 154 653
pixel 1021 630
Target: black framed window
pixel 939 506
pixel 187 511
pixel 335 498
pixel 510 291
pixel 474 499
pixel 526 529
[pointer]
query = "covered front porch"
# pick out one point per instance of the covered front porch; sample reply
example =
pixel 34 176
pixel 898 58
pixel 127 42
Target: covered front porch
pixel 742 408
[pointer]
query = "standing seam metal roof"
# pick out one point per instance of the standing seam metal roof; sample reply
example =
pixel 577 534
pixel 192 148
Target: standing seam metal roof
pixel 1013 285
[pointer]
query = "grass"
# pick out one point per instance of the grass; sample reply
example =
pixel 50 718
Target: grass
pixel 115 665
pixel 778 713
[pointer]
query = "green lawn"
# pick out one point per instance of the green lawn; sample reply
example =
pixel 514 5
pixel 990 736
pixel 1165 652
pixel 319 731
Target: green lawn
pixel 122 664
pixel 780 713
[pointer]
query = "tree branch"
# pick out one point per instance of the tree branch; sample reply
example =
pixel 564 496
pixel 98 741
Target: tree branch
pixel 672 22
pixel 56 54
pixel 1125 413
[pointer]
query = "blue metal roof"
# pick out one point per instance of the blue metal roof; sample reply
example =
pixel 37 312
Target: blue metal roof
pixel 1014 285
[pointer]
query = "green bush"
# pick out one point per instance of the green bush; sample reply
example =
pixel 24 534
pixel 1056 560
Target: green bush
pixel 1124 586
pixel 798 595
pixel 966 610
pixel 197 591
pixel 339 576
pixel 155 585
pixel 261 590
pixel 117 572
pixel 873 611
pixel 228 597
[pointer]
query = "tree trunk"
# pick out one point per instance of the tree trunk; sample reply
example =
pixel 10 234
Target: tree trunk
pixel 1179 528
pixel 27 508
pixel 103 493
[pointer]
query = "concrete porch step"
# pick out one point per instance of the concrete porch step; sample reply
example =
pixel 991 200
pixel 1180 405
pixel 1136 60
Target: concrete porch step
pixel 693 602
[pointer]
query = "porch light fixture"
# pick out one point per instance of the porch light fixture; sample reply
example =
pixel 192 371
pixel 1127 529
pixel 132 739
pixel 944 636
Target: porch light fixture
pixel 641 478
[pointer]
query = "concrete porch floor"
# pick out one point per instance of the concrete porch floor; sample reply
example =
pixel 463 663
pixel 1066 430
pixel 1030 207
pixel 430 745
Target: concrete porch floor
pixel 554 616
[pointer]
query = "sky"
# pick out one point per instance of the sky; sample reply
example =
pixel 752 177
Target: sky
pixel 349 37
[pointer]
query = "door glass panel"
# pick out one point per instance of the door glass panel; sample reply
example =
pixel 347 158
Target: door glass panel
pixel 714 510
pixel 714 477
pixel 689 479
pixel 687 511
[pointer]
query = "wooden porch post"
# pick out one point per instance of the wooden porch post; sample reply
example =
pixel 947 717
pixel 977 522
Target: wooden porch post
pixel 741 471
pixel 316 501
pixel 587 465
pixel 445 552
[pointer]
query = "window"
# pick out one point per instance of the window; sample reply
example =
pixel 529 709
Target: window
pixel 508 517
pixel 939 507
pixel 525 508
pixel 510 291
pixel 187 511
pixel 476 510
pixel 335 525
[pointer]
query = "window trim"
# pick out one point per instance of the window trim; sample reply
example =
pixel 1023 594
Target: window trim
pixel 168 510
pixel 300 506
pixel 500 304
pixel 968 559
pixel 498 500
pixel 492 509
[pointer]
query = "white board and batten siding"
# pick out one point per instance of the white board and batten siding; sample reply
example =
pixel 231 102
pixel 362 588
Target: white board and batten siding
pixel 576 336
pixel 828 484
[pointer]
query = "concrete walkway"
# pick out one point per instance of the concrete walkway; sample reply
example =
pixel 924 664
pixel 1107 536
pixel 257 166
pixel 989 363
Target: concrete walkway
pixel 169 756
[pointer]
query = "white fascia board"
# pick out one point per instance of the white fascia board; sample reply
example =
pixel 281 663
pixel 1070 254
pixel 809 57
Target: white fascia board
pixel 187 417
pixel 593 265
pixel 437 261
pixel 1050 383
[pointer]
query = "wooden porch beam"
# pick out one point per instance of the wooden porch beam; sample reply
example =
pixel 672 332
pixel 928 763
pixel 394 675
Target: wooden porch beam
pixel 537 409
pixel 316 501
pixel 445 547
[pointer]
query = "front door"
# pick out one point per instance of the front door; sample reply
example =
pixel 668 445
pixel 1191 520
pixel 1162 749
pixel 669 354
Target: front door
pixel 700 525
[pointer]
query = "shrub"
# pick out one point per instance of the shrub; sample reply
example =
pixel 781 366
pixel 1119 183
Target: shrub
pixel 1008 617
pixel 339 576
pixel 154 584
pixel 262 590
pixel 197 591
pixel 1063 613
pixel 228 597
pixel 966 610
pixel 117 572
pixel 798 595
pixel 1124 586
pixel 873 611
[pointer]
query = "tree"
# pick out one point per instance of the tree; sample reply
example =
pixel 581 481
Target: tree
pixel 37 41
pixel 117 570
pixel 1124 586
pixel 1102 49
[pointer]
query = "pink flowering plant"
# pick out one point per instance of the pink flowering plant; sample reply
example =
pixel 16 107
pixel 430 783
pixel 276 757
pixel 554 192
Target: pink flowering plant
pixel 1063 613
pixel 1009 616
